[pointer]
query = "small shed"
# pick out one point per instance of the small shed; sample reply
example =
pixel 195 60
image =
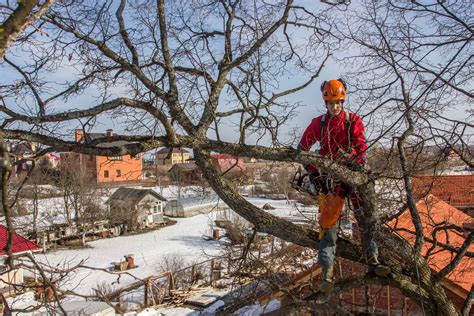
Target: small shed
pixel 138 207
pixel 194 205
pixel 186 173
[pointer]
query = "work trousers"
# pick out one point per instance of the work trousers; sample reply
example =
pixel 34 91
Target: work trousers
pixel 327 245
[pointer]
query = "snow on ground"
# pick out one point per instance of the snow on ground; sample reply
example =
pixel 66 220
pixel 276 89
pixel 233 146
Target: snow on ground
pixel 51 210
pixel 257 309
pixel 179 311
pixel 249 310
pixel 184 239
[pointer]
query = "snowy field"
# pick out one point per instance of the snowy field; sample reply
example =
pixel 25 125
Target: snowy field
pixel 184 240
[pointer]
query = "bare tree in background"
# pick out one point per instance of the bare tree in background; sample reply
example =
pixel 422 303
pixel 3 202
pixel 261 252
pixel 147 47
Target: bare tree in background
pixel 177 75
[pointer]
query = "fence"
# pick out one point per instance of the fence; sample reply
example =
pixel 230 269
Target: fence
pixel 154 289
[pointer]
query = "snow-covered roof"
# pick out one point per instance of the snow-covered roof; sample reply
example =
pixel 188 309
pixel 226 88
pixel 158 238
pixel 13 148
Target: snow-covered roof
pixel 84 308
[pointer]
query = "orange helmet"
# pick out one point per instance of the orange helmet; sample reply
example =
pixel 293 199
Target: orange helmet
pixel 333 90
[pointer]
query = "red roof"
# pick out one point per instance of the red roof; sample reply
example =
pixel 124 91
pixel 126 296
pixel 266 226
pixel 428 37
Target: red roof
pixel 54 156
pixel 229 162
pixel 19 243
pixel 436 213
pixel 458 191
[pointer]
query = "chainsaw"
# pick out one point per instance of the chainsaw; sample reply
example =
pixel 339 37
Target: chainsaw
pixel 313 183
pixel 302 183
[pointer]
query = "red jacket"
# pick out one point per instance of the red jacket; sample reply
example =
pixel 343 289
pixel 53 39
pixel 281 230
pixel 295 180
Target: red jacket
pixel 336 136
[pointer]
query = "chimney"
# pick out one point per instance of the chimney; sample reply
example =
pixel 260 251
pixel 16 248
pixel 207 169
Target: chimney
pixel 79 135
pixel 110 133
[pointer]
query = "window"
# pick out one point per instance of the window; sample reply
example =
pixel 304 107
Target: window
pixel 118 173
pixel 106 173
pixel 117 158
pixel 155 209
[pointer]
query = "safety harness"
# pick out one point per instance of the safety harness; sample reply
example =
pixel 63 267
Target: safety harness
pixel 348 124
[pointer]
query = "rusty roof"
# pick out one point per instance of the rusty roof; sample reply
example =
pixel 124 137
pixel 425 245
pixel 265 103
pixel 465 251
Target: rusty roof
pixel 435 213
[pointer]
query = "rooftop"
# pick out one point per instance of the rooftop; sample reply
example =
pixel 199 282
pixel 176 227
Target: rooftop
pixel 133 195
pixel 189 166
pixel 19 244
pixel 435 213
pixel 457 190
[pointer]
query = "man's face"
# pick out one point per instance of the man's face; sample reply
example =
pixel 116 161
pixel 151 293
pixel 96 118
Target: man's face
pixel 334 107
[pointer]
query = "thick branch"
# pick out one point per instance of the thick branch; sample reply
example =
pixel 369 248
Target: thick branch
pixel 107 106
pixel 18 21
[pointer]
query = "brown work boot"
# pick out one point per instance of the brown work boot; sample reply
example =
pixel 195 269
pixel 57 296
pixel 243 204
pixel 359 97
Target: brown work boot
pixel 327 280
pixel 378 268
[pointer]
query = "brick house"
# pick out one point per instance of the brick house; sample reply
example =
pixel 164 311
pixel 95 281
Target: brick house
pixel 9 280
pixel 19 154
pixel 102 169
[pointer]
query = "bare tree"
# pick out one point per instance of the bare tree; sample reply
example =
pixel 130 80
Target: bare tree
pixel 178 75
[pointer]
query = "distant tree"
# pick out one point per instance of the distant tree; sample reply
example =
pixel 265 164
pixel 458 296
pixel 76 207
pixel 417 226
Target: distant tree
pixel 78 188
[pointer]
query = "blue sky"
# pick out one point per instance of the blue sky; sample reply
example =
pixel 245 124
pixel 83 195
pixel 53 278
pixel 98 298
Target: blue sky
pixel 310 97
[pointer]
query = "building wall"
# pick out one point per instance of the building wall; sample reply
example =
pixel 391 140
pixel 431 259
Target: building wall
pixel 120 168
pixel 148 209
pixel 74 162
pixel 12 277
pixel 162 159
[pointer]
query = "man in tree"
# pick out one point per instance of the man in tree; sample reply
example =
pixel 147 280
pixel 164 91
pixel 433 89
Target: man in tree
pixel 341 138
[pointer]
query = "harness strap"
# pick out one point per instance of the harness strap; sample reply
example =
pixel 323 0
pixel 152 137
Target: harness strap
pixel 348 124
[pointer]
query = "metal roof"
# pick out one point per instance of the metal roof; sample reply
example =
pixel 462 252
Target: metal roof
pixel 19 243
pixel 133 195
pixel 199 201
pixel 96 136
